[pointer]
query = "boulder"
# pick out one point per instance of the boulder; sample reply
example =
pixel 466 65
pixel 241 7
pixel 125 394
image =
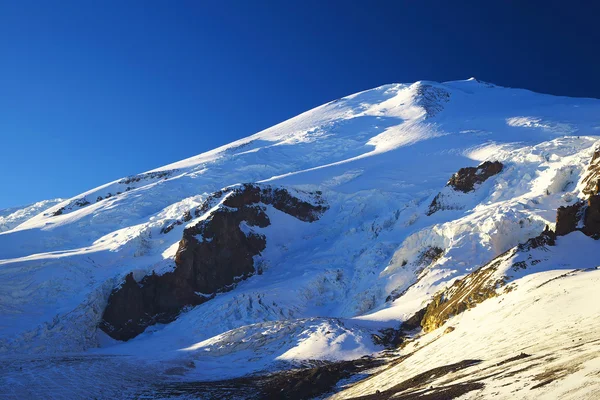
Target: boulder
pixel 568 217
pixel 466 178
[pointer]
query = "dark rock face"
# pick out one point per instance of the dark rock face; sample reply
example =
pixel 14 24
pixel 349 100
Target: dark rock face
pixel 147 176
pixel 592 176
pixel 212 257
pixel 581 216
pixel 568 217
pixel 436 204
pixel 466 178
pixel 429 255
pixel 394 338
pixel 591 220
pixel 464 181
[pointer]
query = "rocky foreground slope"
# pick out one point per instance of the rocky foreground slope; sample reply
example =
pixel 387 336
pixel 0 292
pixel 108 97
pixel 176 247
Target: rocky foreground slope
pixel 428 240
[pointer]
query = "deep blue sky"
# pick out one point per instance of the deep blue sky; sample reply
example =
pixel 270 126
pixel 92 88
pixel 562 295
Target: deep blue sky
pixel 91 91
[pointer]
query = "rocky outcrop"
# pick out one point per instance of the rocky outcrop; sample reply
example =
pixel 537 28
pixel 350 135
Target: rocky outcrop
pixel 436 205
pixel 156 175
pixel 591 219
pixel 465 181
pixel 466 178
pixel 429 255
pixel 482 284
pixel 394 337
pixel 464 294
pixel 213 256
pixel 568 218
pixel 546 238
pixel 119 187
pixel 591 178
pixel 585 214
pixel 431 99
pixel 77 203
pixel 582 216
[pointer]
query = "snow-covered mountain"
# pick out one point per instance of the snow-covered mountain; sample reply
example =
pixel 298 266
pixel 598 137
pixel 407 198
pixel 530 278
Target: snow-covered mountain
pixel 412 223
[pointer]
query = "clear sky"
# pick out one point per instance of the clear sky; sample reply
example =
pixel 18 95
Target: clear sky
pixel 91 91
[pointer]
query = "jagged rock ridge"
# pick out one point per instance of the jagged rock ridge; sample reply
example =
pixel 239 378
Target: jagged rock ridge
pixel 480 285
pixel 213 256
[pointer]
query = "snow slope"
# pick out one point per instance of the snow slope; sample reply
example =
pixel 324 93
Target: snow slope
pixel 11 218
pixel 379 157
pixel 552 319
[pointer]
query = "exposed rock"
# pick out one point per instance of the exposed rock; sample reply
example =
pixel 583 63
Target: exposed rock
pixel 431 98
pixel 147 176
pixel 591 220
pixel 393 338
pixel 414 322
pixel 436 205
pixel 581 216
pixel 77 203
pixel 463 294
pixel 592 176
pixel 419 386
pixel 482 284
pixel 209 202
pixel 449 329
pixel 429 255
pixel 466 178
pixel 213 256
pixel 568 218
pixel 388 337
pixel 168 228
pixel 465 181
pixel 546 238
